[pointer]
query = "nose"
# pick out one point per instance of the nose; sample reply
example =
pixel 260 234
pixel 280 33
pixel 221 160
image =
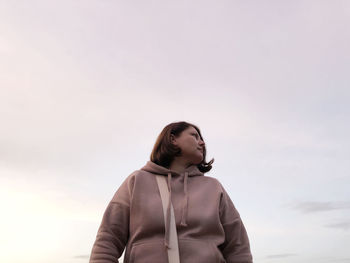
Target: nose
pixel 201 143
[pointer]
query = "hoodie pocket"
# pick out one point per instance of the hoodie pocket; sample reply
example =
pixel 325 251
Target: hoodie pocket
pixel 148 252
pixel 203 251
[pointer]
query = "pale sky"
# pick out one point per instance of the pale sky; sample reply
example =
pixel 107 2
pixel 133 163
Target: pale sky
pixel 87 86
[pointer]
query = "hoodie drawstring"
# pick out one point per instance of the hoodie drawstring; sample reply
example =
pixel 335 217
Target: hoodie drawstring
pixel 167 223
pixel 184 202
pixel 184 209
pixel 191 171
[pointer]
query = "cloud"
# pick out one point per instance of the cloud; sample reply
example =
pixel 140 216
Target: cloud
pixel 281 256
pixel 312 207
pixel 341 225
pixel 345 260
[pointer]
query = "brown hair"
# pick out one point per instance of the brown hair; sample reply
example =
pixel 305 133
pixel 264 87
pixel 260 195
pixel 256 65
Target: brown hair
pixel 164 151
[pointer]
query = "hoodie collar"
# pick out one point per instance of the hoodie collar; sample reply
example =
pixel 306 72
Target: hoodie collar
pixel 161 170
pixel 158 169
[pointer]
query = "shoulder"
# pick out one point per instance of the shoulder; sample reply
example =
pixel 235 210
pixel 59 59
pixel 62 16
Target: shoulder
pixel 135 175
pixel 138 175
pixel 211 183
pixel 213 180
pixel 218 186
pixel 127 187
pixel 139 178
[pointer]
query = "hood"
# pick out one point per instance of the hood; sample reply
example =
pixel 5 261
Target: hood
pixel 161 170
pixel 158 169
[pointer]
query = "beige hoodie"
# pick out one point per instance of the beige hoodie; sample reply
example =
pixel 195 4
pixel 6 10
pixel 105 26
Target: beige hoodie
pixel 209 227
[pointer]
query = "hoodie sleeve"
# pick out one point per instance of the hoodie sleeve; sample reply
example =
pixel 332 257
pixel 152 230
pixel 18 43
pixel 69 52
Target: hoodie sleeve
pixel 113 233
pixel 236 248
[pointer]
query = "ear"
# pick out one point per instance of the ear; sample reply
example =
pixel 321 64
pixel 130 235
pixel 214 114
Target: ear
pixel 173 139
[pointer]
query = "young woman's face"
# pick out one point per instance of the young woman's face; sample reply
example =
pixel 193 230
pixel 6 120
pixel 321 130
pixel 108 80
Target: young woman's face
pixel 191 145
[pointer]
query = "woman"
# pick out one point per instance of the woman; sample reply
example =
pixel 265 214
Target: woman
pixel 209 228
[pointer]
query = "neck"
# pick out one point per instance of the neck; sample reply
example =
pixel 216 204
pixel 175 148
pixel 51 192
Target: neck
pixel 179 165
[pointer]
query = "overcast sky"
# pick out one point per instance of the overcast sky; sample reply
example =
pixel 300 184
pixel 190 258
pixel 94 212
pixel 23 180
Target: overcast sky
pixel 87 86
